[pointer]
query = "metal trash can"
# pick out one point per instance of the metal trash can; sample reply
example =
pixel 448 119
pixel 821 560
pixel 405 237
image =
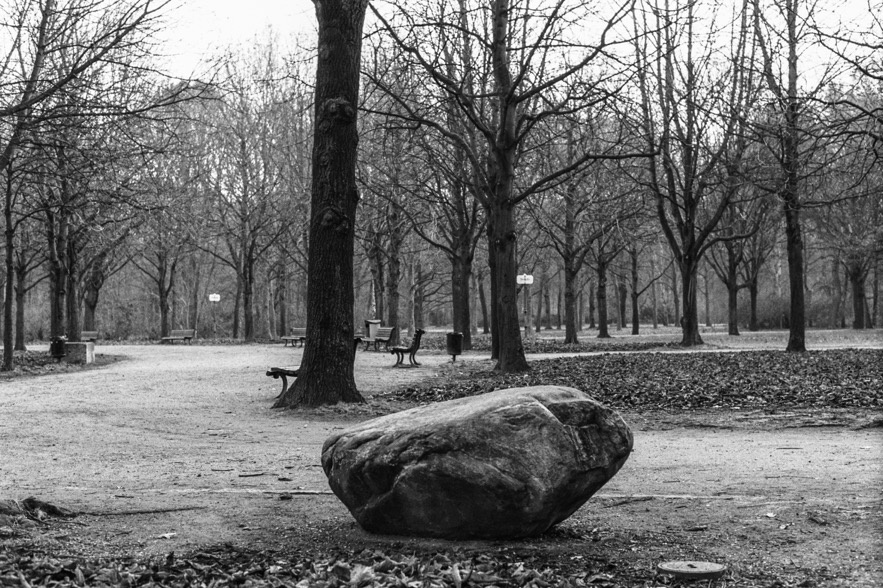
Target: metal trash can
pixel 371 328
pixel 454 343
pixel 56 346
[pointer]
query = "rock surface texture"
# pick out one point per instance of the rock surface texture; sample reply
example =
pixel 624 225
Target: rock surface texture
pixel 506 464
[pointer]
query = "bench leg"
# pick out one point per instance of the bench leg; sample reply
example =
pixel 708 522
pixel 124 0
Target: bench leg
pixel 400 357
pixel 411 358
pixel 284 384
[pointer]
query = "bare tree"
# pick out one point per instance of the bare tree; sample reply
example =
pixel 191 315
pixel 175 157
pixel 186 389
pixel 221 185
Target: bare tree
pixel 53 47
pixel 509 68
pixel 692 103
pixel 326 372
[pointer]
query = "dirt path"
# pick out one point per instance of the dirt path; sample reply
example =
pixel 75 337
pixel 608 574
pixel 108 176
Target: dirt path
pixel 189 427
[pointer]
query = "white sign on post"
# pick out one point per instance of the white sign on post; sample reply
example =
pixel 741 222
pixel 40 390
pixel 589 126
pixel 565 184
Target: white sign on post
pixel 524 279
pixel 214 297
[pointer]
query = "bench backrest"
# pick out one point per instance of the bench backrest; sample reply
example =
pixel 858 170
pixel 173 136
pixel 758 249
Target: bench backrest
pixel 384 332
pixel 299 332
pixel 415 344
pixel 183 333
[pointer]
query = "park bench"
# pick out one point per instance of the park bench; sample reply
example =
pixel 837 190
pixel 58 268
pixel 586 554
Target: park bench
pixel 89 336
pixel 383 335
pixel 297 335
pixel 185 335
pixel 291 372
pixel 411 350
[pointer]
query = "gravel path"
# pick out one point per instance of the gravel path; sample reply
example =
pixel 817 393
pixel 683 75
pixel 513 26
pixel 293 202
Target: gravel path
pixel 189 427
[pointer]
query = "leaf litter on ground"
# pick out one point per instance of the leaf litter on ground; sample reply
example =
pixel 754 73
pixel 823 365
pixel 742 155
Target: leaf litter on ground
pixel 664 381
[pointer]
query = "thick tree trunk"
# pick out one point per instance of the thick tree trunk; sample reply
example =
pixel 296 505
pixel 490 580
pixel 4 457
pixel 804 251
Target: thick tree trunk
pixel 690 315
pixel 56 231
pixel 282 298
pixel 20 314
pixel 485 317
pixel 857 278
pixel 603 333
pixel 495 301
pixel 875 287
pixel 9 237
pixel 375 260
pixel 794 240
pixel 653 299
pixel 166 284
pixel 326 371
pixel 636 319
pixel 676 301
pixel 558 313
pixel 460 278
pixel 581 309
pixel 708 322
pixel 570 299
pixel 394 274
pixel 752 296
pixel 732 298
pixel 271 309
pixel 542 292
pixel 237 307
pixel 92 289
pixel 511 357
pixel 248 300
pixel 90 304
pixel 419 296
pixel 195 279
pixel 790 196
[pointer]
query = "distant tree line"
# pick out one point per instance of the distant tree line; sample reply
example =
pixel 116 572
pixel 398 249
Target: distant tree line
pixel 656 162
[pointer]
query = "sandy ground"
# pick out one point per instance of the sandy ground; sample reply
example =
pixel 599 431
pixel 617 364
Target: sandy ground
pixel 176 447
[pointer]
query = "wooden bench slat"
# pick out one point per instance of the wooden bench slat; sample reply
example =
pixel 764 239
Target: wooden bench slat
pixel 298 334
pixel 185 335
pixel 383 335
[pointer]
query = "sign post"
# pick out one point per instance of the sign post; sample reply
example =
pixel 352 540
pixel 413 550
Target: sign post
pixel 526 280
pixel 214 299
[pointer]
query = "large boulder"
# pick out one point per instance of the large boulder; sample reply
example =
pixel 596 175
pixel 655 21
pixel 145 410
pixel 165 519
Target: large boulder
pixel 506 464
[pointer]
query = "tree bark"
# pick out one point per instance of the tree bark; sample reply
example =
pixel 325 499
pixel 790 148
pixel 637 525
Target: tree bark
pixel 326 371
pixel 248 298
pixel 875 287
pixel 636 318
pixel 393 273
pixel 653 299
pixel 9 237
pixel 690 311
pixel 602 300
pixel 419 295
pixel 676 301
pixel 460 277
pixel 511 349
pixel 56 237
pixel 92 288
pixel 732 293
pixel 20 291
pixel 753 288
pixel 857 276
pixel 485 317
pixel 570 300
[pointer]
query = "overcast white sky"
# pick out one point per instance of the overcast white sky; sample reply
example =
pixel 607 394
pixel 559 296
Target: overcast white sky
pixel 197 29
